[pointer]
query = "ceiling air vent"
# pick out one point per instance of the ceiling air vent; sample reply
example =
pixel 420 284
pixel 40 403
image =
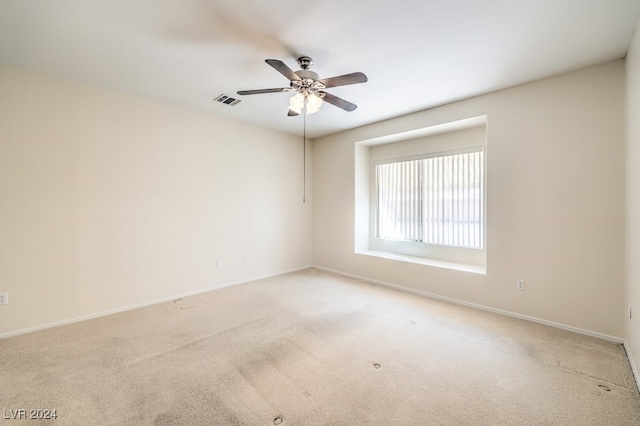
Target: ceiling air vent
pixel 227 100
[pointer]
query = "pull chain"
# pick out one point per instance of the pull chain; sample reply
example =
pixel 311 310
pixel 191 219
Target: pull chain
pixel 304 155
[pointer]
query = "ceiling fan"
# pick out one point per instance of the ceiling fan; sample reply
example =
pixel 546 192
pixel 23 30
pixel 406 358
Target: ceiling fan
pixel 309 89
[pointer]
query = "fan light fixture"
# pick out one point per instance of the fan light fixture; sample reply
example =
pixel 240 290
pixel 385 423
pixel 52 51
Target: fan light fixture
pixel 310 100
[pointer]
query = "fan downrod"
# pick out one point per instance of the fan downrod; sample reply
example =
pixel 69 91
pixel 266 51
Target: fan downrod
pixel 305 62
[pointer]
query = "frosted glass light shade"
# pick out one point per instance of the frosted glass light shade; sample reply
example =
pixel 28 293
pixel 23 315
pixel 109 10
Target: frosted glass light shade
pixel 296 103
pixel 313 103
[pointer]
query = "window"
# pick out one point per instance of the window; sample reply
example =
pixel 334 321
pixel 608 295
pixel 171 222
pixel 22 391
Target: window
pixel 437 199
pixel 421 196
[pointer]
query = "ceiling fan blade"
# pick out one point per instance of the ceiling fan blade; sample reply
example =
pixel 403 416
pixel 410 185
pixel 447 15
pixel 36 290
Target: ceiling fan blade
pixel 283 69
pixel 259 91
pixel 343 80
pixel 339 102
pixel 292 113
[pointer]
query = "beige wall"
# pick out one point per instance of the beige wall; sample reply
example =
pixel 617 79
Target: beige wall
pixel 555 154
pixel 632 329
pixel 109 200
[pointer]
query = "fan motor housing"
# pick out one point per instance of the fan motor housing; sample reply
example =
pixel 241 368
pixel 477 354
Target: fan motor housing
pixel 307 74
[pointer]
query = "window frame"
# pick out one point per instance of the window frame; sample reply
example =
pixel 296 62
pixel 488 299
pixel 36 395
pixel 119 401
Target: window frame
pixel 456 254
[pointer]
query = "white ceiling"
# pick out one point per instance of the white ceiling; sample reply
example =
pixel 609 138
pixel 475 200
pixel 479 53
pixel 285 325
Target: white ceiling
pixel 417 54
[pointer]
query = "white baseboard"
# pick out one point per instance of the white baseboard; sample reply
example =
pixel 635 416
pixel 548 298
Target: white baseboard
pixel 481 307
pixel 634 370
pixel 143 304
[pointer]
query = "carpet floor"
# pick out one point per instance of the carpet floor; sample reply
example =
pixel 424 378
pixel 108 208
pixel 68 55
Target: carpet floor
pixel 314 348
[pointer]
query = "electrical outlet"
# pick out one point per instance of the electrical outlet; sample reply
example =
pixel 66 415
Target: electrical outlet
pixel 520 284
pixel 4 298
pixel 219 263
pixel 338 253
pixel 629 311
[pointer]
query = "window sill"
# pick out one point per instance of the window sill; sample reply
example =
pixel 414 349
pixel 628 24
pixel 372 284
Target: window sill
pixel 475 269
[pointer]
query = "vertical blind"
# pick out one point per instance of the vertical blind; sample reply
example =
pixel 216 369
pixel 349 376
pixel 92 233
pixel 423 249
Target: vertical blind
pixel 435 200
